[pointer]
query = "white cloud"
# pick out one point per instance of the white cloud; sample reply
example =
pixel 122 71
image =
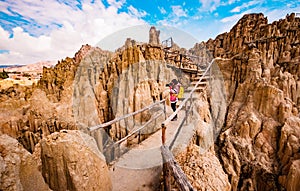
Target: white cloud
pixel 244 5
pixel 115 3
pixel 162 10
pixel 197 17
pixel 178 11
pixel 176 18
pixel 136 13
pixel 68 28
pixel 231 2
pixel 210 5
pixel 233 18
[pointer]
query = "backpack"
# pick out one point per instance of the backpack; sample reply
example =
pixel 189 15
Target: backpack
pixel 173 96
pixel 181 92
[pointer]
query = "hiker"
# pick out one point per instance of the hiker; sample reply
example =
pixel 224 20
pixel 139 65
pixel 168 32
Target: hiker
pixel 174 90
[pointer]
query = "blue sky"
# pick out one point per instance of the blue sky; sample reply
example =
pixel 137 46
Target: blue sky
pixel 40 30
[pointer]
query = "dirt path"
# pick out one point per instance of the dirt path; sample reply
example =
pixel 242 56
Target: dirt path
pixel 140 168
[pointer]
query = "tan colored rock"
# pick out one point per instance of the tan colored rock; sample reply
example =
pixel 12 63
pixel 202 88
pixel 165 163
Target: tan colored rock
pixel 293 178
pixel 260 66
pixel 71 161
pixel 154 36
pixel 30 113
pixel 289 143
pixel 18 170
pixel 261 80
pixel 204 171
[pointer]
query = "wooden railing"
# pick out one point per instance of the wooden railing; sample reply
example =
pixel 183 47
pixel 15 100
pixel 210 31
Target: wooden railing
pixel 168 43
pixel 112 150
pixel 103 125
pixel 184 62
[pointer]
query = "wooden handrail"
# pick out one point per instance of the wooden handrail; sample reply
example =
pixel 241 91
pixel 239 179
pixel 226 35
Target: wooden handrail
pixel 189 95
pixel 171 166
pixel 138 129
pixel 124 116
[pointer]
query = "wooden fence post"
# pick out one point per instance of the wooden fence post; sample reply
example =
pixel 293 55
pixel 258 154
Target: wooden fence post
pixel 166 175
pixel 163 134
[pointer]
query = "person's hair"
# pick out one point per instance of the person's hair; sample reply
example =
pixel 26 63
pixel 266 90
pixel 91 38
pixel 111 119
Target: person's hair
pixel 174 81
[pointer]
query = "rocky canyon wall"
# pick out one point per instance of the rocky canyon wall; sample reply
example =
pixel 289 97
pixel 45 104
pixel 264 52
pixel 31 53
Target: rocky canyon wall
pixel 259 143
pixel 31 113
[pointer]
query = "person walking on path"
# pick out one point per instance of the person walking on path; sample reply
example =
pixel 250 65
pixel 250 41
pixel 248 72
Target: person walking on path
pixel 174 90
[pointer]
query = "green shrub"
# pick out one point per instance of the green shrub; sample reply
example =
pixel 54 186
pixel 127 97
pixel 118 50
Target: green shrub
pixel 3 75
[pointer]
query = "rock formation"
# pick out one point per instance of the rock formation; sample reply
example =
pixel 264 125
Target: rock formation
pixel 92 88
pixel 31 113
pixel 259 144
pixel 154 36
pixel 204 171
pixel 70 160
pixel 18 170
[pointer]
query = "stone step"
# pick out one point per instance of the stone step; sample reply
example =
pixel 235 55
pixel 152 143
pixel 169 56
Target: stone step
pixel 201 70
pixel 200 83
pixel 202 73
pixel 198 78
pixel 213 75
pixel 189 70
pixel 199 88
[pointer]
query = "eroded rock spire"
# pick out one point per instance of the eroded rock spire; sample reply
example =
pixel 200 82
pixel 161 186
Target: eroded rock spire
pixel 154 36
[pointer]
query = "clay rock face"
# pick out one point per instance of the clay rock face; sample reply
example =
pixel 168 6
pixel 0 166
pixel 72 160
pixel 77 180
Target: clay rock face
pixel 109 85
pixel 18 170
pixel 28 120
pixel 289 155
pixel 55 80
pixel 70 160
pixel 292 182
pixel 204 171
pixel 259 63
pixel 154 36
pixel 90 98
pixel 89 90
pixel 29 113
pixel 138 86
